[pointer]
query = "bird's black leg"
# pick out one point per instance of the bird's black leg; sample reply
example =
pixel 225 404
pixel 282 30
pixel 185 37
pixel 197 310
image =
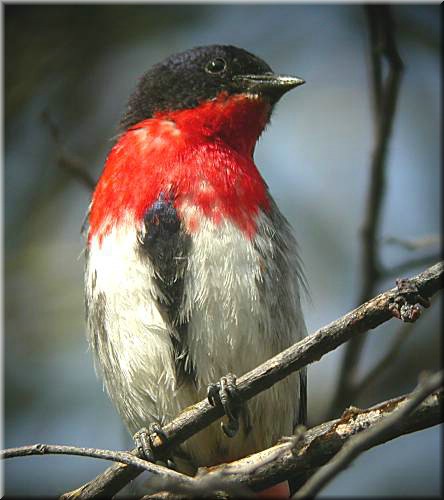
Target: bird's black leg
pixel 143 440
pixel 225 393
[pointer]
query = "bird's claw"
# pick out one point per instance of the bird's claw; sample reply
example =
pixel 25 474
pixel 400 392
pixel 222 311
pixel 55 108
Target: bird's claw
pixel 225 393
pixel 406 304
pixel 144 441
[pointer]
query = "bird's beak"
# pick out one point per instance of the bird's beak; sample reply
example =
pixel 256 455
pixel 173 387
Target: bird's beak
pixel 268 83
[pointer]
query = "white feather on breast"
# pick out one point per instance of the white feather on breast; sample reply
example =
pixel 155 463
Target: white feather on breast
pixel 242 303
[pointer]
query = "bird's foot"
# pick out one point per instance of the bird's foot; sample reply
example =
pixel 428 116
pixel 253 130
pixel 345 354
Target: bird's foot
pixel 226 394
pixel 143 439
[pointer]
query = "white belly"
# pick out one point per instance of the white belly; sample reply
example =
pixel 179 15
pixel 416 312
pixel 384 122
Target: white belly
pixel 242 309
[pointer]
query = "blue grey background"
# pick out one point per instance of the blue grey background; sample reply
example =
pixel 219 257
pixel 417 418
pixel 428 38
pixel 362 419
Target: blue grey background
pixel 81 63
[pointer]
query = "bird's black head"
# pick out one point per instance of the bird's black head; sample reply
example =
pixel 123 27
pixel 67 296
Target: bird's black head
pixel 185 80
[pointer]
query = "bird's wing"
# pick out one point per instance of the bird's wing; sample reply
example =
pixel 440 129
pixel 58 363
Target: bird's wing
pixel 165 242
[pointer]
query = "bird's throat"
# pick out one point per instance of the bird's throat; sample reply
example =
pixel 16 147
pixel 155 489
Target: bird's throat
pixel 237 120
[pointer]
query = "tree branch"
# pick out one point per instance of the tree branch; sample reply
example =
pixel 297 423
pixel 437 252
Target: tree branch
pixel 387 359
pixel 382 41
pixel 373 374
pixel 381 431
pixel 296 457
pixel 73 166
pixel 312 348
pixel 413 245
pixel 318 445
pixel 404 267
pixel 116 456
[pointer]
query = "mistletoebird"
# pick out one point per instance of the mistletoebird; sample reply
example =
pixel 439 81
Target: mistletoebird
pixel 192 272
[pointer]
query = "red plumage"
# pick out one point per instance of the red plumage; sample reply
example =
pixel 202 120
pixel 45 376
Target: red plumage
pixel 201 157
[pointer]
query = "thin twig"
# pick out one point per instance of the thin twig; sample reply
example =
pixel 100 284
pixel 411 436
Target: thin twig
pixel 385 94
pixel 398 341
pixel 368 438
pixel 312 348
pixel 400 269
pixel 220 478
pixel 73 166
pixel 378 369
pixel 376 65
pixel 413 245
pixel 115 456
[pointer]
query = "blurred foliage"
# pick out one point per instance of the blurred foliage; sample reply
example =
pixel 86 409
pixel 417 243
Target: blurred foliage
pixel 69 37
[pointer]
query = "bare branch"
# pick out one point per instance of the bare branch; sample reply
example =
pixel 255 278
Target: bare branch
pixel 296 457
pixel 221 477
pixel 372 436
pixel 312 348
pixel 425 242
pixel 376 65
pixel 413 245
pixel 318 445
pixel 73 166
pixel 378 369
pixel 115 456
pixel 383 44
pixel 404 267
pixel 398 341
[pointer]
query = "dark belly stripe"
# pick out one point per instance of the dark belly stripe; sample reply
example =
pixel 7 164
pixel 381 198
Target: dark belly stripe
pixel 167 245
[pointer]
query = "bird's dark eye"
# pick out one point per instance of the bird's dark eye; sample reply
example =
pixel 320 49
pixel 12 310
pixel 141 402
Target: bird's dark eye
pixel 216 66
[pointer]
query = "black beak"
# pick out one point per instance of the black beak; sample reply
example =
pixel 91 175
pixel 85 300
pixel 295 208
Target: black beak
pixel 274 86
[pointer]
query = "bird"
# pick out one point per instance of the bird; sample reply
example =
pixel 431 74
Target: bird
pixel 193 276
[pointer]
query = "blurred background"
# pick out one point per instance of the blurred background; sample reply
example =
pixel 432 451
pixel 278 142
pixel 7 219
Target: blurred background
pixel 79 63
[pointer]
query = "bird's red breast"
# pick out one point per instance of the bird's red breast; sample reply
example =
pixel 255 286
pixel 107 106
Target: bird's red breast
pixel 200 157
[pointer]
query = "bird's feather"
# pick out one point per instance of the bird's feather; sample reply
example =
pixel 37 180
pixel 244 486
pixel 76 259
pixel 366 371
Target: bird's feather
pixel 164 240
